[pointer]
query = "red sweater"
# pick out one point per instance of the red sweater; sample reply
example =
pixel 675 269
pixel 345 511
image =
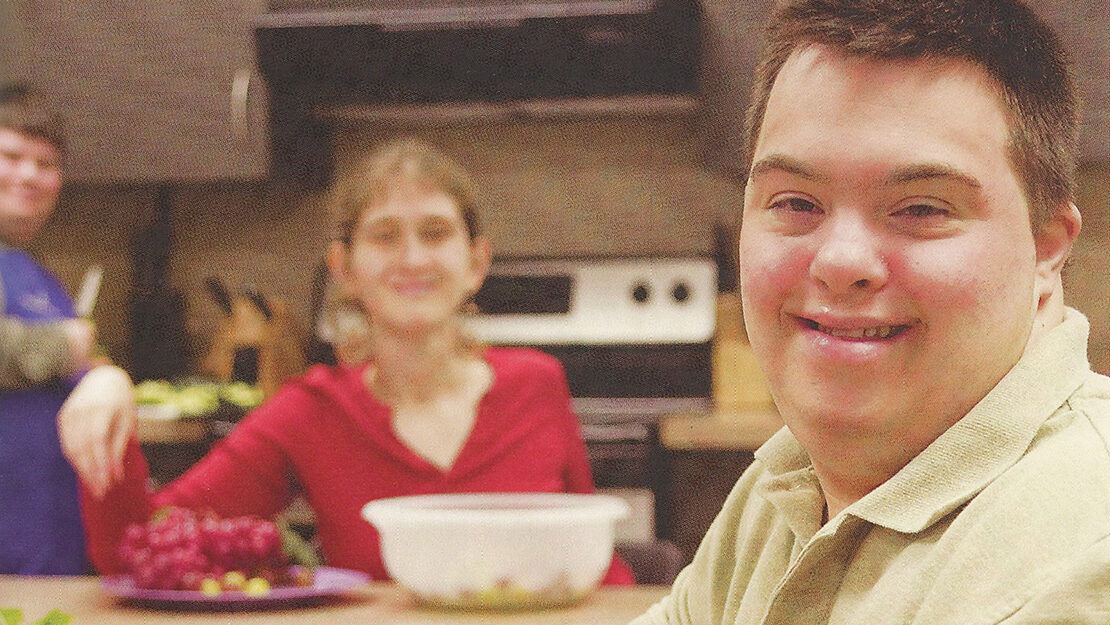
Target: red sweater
pixel 326 432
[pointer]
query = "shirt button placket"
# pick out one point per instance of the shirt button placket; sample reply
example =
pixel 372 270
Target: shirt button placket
pixel 807 591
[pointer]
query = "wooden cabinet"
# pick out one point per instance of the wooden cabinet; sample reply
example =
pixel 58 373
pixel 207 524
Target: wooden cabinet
pixel 152 91
pixel 732 33
pixel 1084 28
pixel 11 44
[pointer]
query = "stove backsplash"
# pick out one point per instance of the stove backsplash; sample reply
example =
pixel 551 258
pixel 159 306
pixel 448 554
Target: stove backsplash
pixel 606 187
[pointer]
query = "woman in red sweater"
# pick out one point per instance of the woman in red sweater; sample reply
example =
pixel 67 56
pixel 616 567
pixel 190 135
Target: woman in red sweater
pixel 414 407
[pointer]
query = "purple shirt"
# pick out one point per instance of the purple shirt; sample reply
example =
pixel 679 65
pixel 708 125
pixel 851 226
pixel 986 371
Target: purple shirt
pixel 40 520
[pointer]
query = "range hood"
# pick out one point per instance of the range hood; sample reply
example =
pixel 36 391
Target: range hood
pixel 323 59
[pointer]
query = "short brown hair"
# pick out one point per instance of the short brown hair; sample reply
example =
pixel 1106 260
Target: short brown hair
pixel 25 110
pixel 1003 37
pixel 406 160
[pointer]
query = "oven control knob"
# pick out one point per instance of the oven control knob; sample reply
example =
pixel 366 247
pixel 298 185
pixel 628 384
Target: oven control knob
pixel 641 293
pixel 681 292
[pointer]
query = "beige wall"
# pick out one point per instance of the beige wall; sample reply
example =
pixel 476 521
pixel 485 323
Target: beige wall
pixel 1088 278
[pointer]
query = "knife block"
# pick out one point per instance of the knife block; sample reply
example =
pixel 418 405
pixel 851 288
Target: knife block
pixel 252 348
pixel 738 383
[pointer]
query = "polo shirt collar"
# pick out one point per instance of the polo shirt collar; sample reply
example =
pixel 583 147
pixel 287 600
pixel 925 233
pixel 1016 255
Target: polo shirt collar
pixel 790 485
pixel 961 462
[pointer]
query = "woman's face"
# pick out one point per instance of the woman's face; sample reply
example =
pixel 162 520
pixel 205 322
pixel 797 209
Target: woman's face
pixel 411 262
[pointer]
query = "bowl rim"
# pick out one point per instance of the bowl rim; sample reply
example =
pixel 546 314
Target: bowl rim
pixel 546 509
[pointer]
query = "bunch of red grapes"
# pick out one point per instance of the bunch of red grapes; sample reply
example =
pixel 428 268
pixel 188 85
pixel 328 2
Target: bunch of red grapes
pixel 178 549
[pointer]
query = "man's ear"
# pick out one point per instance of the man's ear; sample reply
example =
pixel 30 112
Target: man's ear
pixel 481 254
pixel 337 263
pixel 1054 240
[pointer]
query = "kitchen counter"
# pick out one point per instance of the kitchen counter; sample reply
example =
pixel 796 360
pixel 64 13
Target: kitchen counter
pixel 376 603
pixel 172 431
pixel 722 429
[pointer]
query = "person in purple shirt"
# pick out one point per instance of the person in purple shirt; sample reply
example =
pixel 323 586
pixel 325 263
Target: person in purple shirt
pixel 43 352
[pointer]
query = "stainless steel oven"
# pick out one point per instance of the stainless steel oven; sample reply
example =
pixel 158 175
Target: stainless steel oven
pixel 634 335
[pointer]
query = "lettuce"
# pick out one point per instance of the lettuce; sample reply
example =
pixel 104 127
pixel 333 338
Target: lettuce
pixel 14 616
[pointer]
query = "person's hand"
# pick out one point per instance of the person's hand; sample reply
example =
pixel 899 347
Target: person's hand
pixel 81 338
pixel 95 424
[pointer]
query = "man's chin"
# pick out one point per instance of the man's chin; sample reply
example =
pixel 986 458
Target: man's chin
pixel 836 415
pixel 18 237
pixel 420 322
pixel 21 230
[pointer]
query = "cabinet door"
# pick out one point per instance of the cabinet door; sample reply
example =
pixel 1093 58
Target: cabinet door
pixel 732 34
pixel 1084 28
pixel 11 44
pixel 152 91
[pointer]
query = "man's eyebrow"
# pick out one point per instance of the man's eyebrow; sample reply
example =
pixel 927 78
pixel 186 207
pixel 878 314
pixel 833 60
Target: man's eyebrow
pixel 901 175
pixel 926 171
pixel 786 164
pixel 374 219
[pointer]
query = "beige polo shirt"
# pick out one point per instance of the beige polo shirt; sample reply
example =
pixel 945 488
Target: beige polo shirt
pixel 1005 518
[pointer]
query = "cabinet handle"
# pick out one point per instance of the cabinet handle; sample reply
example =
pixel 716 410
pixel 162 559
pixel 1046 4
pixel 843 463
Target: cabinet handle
pixel 240 94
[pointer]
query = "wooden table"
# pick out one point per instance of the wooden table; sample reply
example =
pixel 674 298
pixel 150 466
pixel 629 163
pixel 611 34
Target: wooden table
pixel 373 604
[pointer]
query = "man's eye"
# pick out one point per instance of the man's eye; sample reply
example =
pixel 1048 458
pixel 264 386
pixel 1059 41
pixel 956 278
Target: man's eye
pixel 794 205
pixel 922 211
pixel 381 235
pixel 435 233
pixel 46 165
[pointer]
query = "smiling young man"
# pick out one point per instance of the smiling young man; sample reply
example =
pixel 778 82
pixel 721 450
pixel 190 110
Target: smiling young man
pixel 907 216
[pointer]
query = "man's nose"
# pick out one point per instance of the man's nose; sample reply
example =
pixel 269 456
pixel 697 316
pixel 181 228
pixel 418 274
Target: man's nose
pixel 414 250
pixel 848 258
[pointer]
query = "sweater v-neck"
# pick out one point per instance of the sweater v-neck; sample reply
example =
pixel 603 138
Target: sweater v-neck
pixel 378 419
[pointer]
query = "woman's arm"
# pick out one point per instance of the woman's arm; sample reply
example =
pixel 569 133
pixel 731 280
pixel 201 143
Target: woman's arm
pixel 94 425
pixel 246 473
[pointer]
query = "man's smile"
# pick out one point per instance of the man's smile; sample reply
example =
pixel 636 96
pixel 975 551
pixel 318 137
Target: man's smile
pixel 861 332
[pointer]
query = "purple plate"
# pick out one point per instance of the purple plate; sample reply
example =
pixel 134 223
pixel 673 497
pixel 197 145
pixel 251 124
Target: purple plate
pixel 327 582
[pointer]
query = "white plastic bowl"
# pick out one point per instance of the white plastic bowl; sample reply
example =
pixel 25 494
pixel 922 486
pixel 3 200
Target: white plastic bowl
pixel 497 550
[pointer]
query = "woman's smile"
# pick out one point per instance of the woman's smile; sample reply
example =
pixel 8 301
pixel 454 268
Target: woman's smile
pixel 413 287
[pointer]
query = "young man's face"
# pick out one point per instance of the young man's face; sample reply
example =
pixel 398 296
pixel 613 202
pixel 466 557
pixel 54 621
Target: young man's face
pixel 888 268
pixel 30 178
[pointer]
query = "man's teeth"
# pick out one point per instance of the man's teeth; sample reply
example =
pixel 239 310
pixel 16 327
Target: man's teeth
pixel 880 332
